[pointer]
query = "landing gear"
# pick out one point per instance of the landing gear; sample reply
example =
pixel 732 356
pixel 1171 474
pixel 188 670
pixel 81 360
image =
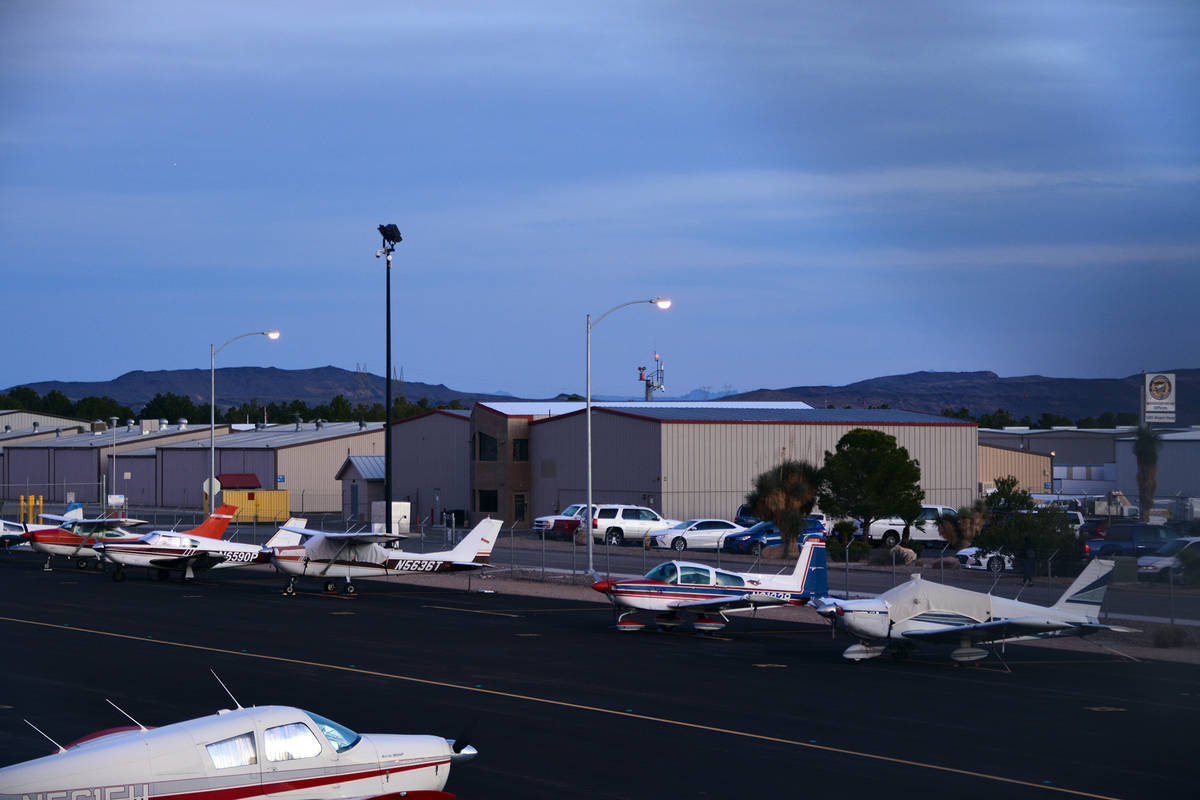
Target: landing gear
pixel 289 589
pixel 118 573
pixel 81 563
pixel 330 587
pixel 666 622
pixel 629 624
pixel 46 567
pixel 350 590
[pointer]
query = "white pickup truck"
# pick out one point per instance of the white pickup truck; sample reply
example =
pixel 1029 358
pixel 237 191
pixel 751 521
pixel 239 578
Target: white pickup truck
pixel 561 525
pixel 889 531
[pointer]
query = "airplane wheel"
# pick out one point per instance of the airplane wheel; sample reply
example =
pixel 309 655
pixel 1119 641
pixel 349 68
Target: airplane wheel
pixel 330 587
pixel 164 575
pixel 119 574
pixel 82 563
pixel 350 590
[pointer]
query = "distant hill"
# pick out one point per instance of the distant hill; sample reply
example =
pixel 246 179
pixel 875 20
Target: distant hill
pixel 237 385
pixel 984 392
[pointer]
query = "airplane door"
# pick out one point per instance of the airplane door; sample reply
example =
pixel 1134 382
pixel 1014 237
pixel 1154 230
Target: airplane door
pixel 293 756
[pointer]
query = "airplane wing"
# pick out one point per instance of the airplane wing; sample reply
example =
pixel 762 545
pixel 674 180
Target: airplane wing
pixel 729 602
pixel 366 537
pixel 196 562
pixel 115 522
pixel 1010 628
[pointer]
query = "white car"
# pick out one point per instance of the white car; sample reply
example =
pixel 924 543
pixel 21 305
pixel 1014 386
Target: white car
pixel 696 534
pixel 889 531
pixel 992 561
pixel 615 524
pixel 1160 564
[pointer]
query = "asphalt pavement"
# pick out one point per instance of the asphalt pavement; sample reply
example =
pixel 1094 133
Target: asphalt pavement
pixel 560 705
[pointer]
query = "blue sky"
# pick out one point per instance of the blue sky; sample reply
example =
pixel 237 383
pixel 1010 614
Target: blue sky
pixel 828 192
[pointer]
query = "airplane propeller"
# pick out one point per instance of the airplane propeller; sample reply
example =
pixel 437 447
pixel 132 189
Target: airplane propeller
pixel 616 610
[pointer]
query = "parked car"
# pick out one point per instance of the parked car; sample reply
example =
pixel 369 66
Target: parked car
pixel 744 517
pixel 1177 559
pixel 766 534
pixel 616 524
pixel 1130 539
pixel 889 531
pixel 991 560
pixel 561 525
pixel 696 534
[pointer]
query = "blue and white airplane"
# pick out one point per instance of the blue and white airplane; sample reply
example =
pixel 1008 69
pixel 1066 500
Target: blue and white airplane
pixel 677 587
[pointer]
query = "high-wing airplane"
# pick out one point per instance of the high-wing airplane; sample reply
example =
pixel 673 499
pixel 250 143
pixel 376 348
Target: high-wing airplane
pixel 74 536
pixel 263 751
pixel 189 551
pixel 923 611
pixel 683 586
pixel 13 534
pixel 299 552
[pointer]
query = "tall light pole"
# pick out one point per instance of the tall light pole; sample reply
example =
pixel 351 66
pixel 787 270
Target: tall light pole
pixel 661 302
pixel 213 487
pixel 391 238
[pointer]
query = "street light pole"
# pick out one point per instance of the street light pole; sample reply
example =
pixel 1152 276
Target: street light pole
pixel 212 411
pixel 391 238
pixel 661 302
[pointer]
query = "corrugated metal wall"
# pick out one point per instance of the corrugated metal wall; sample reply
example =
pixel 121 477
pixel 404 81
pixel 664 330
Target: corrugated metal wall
pixel 558 467
pixel 431 456
pixel 141 487
pixel 1032 470
pixel 308 470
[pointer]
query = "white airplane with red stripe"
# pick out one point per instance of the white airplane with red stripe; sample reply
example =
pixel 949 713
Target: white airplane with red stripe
pixel 74 536
pixel 676 587
pixel 299 552
pixel 264 751
pixel 189 552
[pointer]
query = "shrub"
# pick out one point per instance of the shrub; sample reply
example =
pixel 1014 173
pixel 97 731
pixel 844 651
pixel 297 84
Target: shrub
pixel 1171 636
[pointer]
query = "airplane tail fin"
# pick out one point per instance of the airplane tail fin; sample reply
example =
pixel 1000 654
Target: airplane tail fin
pixel 1087 592
pixel 283 538
pixel 74 511
pixel 810 576
pixel 477 545
pixel 214 527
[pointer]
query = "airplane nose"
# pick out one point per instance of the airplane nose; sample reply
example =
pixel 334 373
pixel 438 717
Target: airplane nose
pixel 830 610
pixel 604 587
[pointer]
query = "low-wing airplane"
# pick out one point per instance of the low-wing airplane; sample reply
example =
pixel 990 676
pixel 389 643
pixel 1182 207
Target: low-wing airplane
pixel 190 551
pixel 683 586
pixel 299 552
pixel 263 751
pixel 75 536
pixel 923 611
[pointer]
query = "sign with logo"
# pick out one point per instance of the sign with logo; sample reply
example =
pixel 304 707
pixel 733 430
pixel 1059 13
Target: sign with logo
pixel 279 478
pixel 1159 397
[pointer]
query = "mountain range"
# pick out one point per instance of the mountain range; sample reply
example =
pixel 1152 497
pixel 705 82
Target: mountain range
pixel 928 392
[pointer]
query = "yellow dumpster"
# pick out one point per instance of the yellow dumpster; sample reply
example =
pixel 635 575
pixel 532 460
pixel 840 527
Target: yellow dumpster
pixel 258 505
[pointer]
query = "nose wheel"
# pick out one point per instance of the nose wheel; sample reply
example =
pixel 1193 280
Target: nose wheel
pixel 118 573
pixel 289 588
pixel 330 587
pixel 350 590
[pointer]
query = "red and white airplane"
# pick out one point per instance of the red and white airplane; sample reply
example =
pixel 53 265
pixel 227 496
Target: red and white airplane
pixel 302 553
pixel 264 751
pixel 75 536
pixel 188 551
pixel 683 586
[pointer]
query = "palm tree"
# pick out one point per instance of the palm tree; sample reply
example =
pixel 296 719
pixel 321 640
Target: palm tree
pixel 1145 449
pixel 785 495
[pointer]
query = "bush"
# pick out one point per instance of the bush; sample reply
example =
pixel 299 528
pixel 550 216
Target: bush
pixel 1171 636
pixel 835 551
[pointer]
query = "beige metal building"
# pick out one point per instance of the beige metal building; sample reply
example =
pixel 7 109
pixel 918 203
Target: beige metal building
pixel 1032 470
pixel 701 462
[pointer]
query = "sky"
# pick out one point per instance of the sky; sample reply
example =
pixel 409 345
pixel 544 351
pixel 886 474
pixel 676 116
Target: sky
pixel 828 192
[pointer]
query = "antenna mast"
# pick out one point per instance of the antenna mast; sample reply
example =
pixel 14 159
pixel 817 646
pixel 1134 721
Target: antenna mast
pixel 655 379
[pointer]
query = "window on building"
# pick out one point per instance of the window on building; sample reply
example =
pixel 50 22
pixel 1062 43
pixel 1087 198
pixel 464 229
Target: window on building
pixel 489 501
pixel 236 751
pixel 520 449
pixel 487 448
pixel 518 507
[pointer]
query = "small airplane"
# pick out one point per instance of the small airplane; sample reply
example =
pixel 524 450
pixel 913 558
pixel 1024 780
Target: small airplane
pixel 75 536
pixel 682 586
pixel 924 611
pixel 300 552
pixel 13 534
pixel 189 551
pixel 275 751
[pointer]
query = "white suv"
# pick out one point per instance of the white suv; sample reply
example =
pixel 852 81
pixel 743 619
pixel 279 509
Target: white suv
pixel 889 531
pixel 614 524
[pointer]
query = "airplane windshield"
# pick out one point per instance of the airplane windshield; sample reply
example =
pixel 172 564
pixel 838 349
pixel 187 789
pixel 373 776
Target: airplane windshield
pixel 341 737
pixel 664 572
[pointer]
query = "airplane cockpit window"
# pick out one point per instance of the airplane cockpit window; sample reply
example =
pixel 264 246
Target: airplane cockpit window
pixel 237 751
pixel 694 575
pixel 729 579
pixel 341 737
pixel 667 573
pixel 287 742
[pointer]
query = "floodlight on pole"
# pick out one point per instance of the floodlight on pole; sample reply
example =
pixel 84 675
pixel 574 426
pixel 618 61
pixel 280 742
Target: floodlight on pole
pixel 211 487
pixel 661 302
pixel 391 238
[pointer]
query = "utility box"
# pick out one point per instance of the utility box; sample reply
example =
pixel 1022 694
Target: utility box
pixel 258 505
pixel 400 517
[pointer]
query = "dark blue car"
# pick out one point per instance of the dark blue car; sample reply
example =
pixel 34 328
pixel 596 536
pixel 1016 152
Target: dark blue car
pixel 766 534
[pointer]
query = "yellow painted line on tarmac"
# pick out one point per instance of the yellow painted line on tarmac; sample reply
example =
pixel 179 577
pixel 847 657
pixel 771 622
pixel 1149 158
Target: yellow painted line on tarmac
pixel 760 737
pixel 475 611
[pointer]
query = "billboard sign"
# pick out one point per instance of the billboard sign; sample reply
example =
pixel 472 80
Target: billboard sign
pixel 1158 395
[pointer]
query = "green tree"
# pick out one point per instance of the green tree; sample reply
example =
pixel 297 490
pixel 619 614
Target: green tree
pixel 785 495
pixel 1145 449
pixel 172 407
pixel 870 477
pixel 1008 498
pixel 92 407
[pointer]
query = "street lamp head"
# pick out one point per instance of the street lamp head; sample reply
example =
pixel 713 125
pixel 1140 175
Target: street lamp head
pixel 662 302
pixel 272 335
pixel 390 234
